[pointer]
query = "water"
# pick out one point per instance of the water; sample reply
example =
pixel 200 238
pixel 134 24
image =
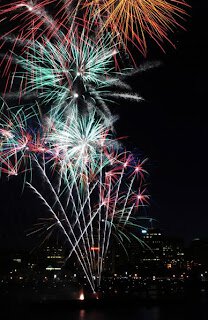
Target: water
pixel 184 310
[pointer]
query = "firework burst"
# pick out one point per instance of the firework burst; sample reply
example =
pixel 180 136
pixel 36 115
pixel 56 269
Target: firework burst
pixel 17 140
pixel 55 69
pixel 79 72
pixel 132 20
pixel 93 193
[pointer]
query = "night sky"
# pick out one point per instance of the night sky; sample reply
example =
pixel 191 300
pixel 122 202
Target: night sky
pixel 169 128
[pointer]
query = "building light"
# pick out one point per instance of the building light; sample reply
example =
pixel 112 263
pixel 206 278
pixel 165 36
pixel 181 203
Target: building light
pixel 52 268
pixel 17 260
pixel 95 249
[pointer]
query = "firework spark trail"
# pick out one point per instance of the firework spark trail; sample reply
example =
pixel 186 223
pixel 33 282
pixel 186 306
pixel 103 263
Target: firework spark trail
pixel 18 141
pixel 93 180
pixel 92 231
pixel 89 133
pixel 89 232
pixel 131 20
pixel 100 221
pixel 104 231
pixel 82 214
pixel 114 208
pixel 79 207
pixel 68 223
pixel 91 240
pixel 55 70
pixel 64 232
pixel 126 211
pixel 79 139
pixel 94 214
pixel 110 217
pixel 31 14
pixel 33 23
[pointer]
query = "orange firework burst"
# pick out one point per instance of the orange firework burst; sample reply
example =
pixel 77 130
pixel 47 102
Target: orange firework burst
pixel 132 20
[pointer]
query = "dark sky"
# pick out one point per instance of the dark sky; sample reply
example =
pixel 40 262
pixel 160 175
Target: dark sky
pixel 169 128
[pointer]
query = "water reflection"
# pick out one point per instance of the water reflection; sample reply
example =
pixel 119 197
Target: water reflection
pixel 192 308
pixel 82 315
pixel 189 310
pixel 127 313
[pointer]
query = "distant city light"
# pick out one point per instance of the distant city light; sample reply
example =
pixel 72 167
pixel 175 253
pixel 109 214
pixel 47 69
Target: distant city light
pixel 144 231
pixel 95 249
pixel 52 268
pixel 17 260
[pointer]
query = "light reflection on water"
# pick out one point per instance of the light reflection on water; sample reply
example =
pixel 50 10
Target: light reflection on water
pixel 172 311
pixel 192 308
pixel 118 313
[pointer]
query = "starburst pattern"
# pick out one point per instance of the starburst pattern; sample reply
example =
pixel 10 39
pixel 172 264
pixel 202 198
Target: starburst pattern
pixel 132 20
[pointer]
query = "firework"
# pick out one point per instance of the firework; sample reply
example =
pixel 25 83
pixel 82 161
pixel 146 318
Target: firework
pixel 80 71
pixel 71 62
pixel 65 71
pixel 22 24
pixel 100 201
pixel 96 180
pixel 133 20
pixel 57 54
pixel 79 139
pixel 17 140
